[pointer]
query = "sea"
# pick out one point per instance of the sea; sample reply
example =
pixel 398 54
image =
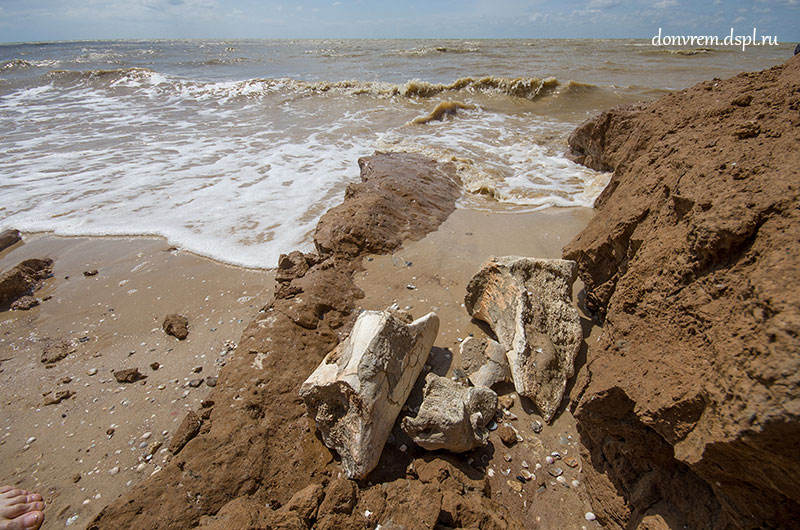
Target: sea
pixel 233 149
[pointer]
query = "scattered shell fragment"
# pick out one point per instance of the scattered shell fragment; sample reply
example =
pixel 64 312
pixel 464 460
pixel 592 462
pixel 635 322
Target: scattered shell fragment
pixel 492 426
pixel 92 371
pixel 507 457
pixel 536 425
pixel 524 464
pixel 589 516
pixel 555 471
pixel 561 480
pixel 490 472
pixel 30 440
pixel 527 475
pixel 575 484
pixel 114 470
pixel 549 459
pixel 572 462
pixel 514 485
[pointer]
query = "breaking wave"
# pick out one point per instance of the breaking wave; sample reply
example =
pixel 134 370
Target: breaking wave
pixel 684 52
pixel 521 87
pixel 445 108
pixel 437 50
pixel 21 64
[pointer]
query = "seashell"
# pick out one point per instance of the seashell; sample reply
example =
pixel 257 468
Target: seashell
pixel 555 471
pixel 527 475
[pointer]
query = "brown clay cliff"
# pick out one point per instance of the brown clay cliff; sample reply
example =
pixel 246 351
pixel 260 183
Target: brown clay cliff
pixel 689 407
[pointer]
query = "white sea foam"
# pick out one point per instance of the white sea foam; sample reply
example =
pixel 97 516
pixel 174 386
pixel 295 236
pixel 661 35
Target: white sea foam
pixel 241 171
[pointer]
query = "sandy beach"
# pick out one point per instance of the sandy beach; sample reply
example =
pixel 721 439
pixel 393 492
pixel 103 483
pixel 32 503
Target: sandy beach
pixel 91 447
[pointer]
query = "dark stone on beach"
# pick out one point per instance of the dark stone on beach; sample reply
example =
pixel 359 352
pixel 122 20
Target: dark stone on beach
pixel 128 375
pixel 8 238
pixel 187 430
pixel 55 351
pixel 194 383
pixel 92 272
pixel 176 325
pixel 25 303
pixel 23 279
pixel 507 435
pixel 211 381
pixel 155 366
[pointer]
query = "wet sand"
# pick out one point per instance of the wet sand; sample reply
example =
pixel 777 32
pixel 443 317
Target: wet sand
pixel 114 320
pixel 91 447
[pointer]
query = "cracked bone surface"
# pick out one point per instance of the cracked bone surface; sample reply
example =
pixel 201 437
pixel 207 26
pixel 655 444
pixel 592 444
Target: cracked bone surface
pixel 356 393
pixel 451 416
pixel 528 304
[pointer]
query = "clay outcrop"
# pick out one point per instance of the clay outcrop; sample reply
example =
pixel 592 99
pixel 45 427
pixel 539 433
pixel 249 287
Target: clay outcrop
pixel 357 391
pixel 23 279
pixel 689 407
pixel 528 304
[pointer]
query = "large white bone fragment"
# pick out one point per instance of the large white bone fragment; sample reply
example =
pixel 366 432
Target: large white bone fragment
pixel 356 393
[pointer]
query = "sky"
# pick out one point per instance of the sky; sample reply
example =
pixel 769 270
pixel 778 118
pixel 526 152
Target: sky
pixel 54 20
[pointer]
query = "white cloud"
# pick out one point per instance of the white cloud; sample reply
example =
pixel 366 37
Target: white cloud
pixel 336 4
pixel 738 20
pixel 663 4
pixel 539 17
pixel 602 4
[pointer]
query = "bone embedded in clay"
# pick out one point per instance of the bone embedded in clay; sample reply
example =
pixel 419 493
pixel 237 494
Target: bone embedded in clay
pixel 356 393
pixel 528 304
